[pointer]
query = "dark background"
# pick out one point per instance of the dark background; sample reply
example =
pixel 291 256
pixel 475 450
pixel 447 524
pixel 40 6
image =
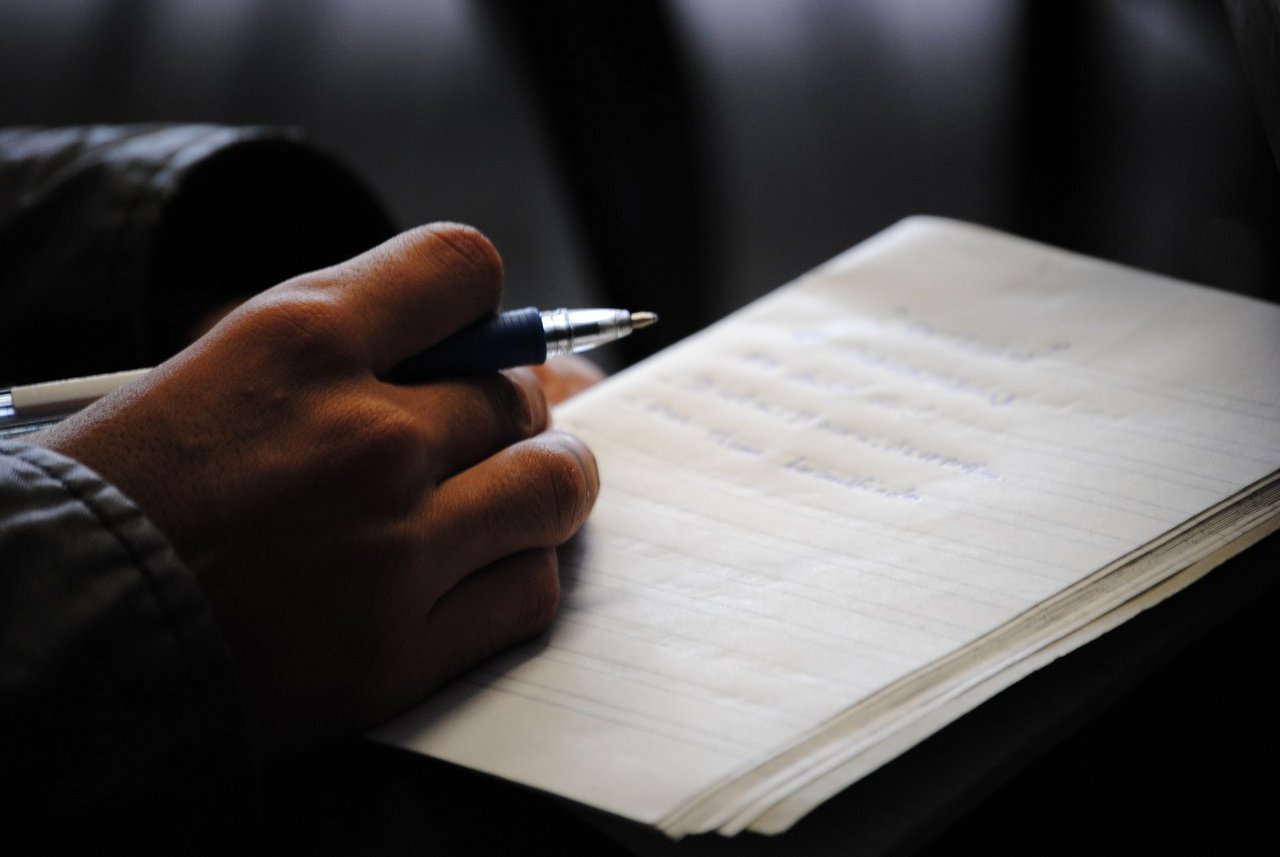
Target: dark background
pixel 687 156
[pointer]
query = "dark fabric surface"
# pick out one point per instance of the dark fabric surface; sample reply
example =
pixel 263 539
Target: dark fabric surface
pixel 1255 24
pixel 116 240
pixel 119 715
pixel 118 704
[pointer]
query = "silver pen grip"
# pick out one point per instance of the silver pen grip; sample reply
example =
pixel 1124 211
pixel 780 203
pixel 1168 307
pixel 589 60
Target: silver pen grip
pixel 571 331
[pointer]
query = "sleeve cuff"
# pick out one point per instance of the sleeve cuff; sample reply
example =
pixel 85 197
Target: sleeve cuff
pixel 116 685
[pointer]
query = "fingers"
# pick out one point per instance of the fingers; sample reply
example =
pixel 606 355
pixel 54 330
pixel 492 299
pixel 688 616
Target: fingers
pixel 506 602
pixel 465 421
pixel 413 290
pixel 534 494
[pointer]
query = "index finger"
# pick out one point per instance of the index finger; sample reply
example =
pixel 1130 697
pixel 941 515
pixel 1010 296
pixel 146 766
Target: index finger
pixel 414 290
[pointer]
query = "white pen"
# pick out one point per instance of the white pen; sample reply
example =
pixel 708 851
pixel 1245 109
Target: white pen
pixel 34 406
pixel 520 337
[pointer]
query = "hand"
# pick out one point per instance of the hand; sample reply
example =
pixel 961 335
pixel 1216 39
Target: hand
pixel 360 542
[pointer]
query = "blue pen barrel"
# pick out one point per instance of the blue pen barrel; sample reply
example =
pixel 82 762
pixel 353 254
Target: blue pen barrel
pixel 512 338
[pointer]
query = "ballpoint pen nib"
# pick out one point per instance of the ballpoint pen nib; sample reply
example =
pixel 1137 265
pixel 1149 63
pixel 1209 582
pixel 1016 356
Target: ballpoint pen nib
pixel 642 319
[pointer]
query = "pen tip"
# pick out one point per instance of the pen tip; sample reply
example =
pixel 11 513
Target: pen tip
pixel 643 319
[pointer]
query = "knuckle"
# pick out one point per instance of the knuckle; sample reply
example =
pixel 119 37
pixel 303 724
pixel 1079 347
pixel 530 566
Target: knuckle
pixel 304 323
pixel 520 406
pixel 375 443
pixel 532 597
pixel 392 443
pixel 537 598
pixel 544 592
pixel 387 432
pixel 566 489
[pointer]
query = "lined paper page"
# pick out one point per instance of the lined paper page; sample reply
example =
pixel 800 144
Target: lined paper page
pixel 861 474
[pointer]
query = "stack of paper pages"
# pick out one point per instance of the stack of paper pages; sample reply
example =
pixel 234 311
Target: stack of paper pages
pixel 854 510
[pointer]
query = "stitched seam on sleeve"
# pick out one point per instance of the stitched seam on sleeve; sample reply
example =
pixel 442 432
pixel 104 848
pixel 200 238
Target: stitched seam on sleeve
pixel 138 562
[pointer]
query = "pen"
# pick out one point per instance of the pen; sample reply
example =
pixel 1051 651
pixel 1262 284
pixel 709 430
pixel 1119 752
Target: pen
pixel 520 337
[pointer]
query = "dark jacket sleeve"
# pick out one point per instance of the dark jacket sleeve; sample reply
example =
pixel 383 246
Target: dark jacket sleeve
pixel 117 694
pixel 119 713
pixel 115 241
